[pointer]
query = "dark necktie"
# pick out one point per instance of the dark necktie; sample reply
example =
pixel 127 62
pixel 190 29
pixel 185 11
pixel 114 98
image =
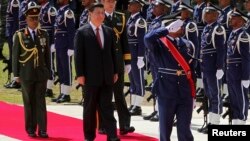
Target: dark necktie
pixel 98 37
pixel 130 20
pixel 110 17
pixel 34 35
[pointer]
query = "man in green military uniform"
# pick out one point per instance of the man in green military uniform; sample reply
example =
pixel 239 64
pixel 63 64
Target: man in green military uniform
pixel 31 67
pixel 117 21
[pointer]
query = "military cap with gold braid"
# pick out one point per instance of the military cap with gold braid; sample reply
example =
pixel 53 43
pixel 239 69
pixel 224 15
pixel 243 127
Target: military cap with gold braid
pixel 183 6
pixel 163 2
pixel 33 10
pixel 237 13
pixel 141 2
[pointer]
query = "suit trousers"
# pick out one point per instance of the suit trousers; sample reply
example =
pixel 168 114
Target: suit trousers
pixel 238 99
pixel 34 105
pixel 174 99
pixel 121 104
pixel 212 87
pixel 98 97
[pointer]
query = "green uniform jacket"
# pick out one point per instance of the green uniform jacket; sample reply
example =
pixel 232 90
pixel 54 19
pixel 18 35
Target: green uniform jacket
pixel 31 59
pixel 118 24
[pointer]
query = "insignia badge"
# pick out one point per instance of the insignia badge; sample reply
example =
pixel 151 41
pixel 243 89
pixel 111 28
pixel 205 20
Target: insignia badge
pixel 42 41
pixel 178 72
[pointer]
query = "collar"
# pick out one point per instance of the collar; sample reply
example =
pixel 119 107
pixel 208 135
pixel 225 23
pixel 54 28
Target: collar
pixel 30 30
pixel 212 24
pixel 109 14
pixel 177 2
pixel 158 17
pixel 225 8
pixel 132 16
pixel 94 27
pixel 235 30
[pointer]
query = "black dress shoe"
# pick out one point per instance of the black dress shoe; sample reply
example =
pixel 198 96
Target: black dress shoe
pixel 43 134
pixel 135 111
pixel 64 98
pixel 55 99
pixel 155 118
pixel 13 85
pixel 102 131
pixel 204 129
pixel 148 117
pixel 49 93
pixel 31 134
pixel 113 139
pixel 130 108
pixel 126 130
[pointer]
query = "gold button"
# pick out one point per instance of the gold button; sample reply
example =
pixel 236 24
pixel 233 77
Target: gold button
pixel 178 72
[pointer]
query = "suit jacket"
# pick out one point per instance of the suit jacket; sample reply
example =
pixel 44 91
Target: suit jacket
pixel 31 59
pixel 118 24
pixel 96 64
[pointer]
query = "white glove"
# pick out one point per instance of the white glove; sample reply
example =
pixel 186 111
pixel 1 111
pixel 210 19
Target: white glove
pixel 245 83
pixel 140 62
pixel 127 68
pixel 175 26
pixel 219 74
pixel 52 48
pixel 70 52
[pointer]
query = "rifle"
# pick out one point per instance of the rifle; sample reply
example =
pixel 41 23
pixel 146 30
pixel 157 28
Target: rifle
pixel 226 103
pixel 204 107
pixel 127 84
pixel 7 68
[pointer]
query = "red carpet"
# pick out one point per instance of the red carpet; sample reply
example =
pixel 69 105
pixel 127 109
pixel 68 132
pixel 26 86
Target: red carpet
pixel 60 127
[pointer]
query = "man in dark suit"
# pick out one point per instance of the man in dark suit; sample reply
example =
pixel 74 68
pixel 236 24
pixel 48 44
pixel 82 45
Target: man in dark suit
pixel 31 66
pixel 96 70
pixel 117 22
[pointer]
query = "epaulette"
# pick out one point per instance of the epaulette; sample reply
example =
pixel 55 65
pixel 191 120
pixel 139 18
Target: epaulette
pixel 119 13
pixel 141 23
pixel 51 13
pixel 42 30
pixel 243 37
pixel 191 27
pixel 218 30
pixel 69 14
pixel 15 3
